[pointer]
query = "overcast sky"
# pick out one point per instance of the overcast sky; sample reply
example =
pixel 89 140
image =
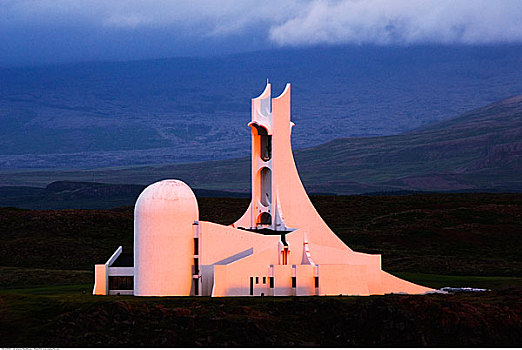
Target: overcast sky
pixel 48 31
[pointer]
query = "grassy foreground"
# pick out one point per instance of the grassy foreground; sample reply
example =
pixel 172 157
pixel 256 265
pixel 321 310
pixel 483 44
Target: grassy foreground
pixel 457 240
pixel 65 316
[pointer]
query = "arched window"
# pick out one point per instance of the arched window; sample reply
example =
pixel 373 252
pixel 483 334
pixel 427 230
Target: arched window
pixel 265 143
pixel 265 219
pixel 265 187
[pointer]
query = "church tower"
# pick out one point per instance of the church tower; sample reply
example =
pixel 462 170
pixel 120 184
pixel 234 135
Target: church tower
pixel 280 246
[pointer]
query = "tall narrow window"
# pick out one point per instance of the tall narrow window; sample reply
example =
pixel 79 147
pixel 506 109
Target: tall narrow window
pixel 196 266
pixel 285 255
pixel 251 285
pixel 266 147
pixel 196 286
pixel 196 246
pixel 264 280
pixel 271 280
pixel 294 282
pixel 316 279
pixel 265 194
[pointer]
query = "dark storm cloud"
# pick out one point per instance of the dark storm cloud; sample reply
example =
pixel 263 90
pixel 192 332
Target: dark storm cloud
pixel 72 30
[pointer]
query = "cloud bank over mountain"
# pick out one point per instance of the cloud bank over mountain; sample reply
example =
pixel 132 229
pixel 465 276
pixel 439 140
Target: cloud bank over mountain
pixel 402 22
pixel 68 30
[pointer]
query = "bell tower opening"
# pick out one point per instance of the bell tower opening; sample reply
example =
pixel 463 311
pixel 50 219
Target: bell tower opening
pixel 265 219
pixel 265 143
pixel 266 147
pixel 265 195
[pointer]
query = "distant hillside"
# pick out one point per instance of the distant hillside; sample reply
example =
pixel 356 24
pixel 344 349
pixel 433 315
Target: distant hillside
pixel 193 109
pixel 83 195
pixel 478 151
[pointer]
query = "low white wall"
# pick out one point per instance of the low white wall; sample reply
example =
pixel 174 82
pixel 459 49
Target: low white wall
pixel 100 280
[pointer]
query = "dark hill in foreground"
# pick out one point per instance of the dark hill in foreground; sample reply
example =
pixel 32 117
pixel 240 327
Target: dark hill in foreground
pixel 480 150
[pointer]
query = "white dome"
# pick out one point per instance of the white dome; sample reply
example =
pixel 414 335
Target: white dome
pixel 163 239
pixel 166 190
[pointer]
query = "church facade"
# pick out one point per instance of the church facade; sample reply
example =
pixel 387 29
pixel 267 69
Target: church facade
pixel 279 247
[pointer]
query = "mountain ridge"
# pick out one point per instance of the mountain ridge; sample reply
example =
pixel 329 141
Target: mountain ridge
pixel 186 110
pixel 480 150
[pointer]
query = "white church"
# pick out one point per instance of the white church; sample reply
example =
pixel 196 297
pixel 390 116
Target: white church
pixel 279 247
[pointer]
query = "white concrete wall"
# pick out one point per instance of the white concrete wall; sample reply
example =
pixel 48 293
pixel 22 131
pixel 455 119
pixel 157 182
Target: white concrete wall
pixel 100 280
pixel 305 282
pixel 282 280
pixel 121 271
pixel 234 279
pixel 218 242
pixel 343 279
pixel 207 279
pixel 164 239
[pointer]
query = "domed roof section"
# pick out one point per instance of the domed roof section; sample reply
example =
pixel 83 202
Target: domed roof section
pixel 164 239
pixel 167 195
